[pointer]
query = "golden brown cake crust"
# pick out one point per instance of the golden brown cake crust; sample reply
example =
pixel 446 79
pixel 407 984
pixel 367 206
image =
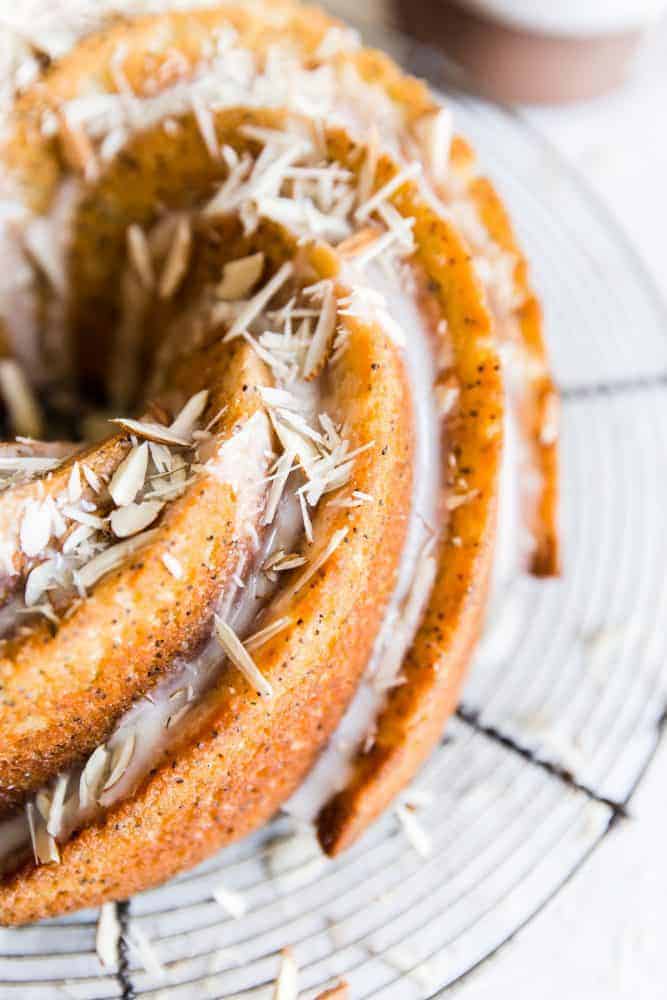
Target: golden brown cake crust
pixel 238 756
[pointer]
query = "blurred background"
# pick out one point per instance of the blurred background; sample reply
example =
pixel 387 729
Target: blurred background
pixel 590 75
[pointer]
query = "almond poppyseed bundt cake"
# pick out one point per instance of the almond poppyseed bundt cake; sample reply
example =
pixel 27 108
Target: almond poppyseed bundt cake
pixel 259 251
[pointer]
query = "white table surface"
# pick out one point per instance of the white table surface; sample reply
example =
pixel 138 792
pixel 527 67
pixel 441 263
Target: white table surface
pixel 602 938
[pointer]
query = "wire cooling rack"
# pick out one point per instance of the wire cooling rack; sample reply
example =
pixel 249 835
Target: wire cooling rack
pixel 560 716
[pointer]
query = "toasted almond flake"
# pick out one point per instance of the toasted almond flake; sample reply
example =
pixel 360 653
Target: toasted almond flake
pixel 206 126
pixel 134 517
pixel 83 517
pixel 140 255
pixel 256 304
pixel 281 398
pixel 240 657
pixel 232 902
pixel 315 564
pixel 107 935
pixel 414 831
pixel 185 422
pixel 44 847
pixel 28 464
pixel 283 470
pixel 39 580
pixel 446 395
pixel 387 190
pixel 173 566
pixel 77 147
pixel 456 500
pixel 130 476
pixel 322 337
pixel 262 636
pixel 120 761
pixel 145 951
pixel 77 537
pixel 36 528
pixel 112 557
pixel 358 242
pixel 151 432
pixel 287 983
pixel 74 484
pixel 92 478
pixel 24 411
pixel 434 133
pixel 92 777
pixel 305 516
pixel 57 803
pixel 240 276
pixel 178 259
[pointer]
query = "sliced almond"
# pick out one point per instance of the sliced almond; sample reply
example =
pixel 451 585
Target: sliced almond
pixel 239 277
pixel 151 432
pixel 134 517
pixel 130 476
pixel 241 658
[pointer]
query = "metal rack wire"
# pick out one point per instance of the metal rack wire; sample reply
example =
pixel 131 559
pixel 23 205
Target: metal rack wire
pixel 561 714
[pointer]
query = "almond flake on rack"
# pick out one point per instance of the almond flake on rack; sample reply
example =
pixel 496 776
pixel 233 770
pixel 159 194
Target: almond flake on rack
pixel 140 255
pixel 130 475
pixel 232 902
pixel 178 259
pixel 287 983
pixel 111 558
pixel 263 635
pixel 387 190
pixel 240 276
pixel 241 659
pixel 255 306
pixel 151 432
pixel 173 565
pixel 414 831
pixel 134 517
pixel 120 761
pixel 145 951
pixel 107 935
